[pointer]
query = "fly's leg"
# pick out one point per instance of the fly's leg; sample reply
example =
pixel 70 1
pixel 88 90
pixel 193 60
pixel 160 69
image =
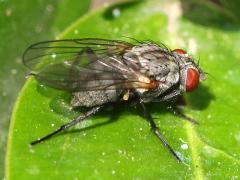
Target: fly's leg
pixel 176 97
pixel 81 118
pixel 178 113
pixel 168 97
pixel 156 131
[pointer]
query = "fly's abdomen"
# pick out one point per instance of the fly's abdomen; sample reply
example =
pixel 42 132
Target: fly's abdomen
pixel 94 98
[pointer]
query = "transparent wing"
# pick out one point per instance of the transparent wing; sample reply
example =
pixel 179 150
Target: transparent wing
pixel 82 64
pixel 65 50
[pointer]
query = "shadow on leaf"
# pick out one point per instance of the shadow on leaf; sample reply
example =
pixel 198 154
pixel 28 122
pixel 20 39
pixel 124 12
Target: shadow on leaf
pixel 200 99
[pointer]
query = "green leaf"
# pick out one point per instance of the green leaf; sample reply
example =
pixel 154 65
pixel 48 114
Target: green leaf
pixel 118 143
pixel 22 24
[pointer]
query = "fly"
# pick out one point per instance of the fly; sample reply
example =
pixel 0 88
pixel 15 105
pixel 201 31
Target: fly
pixel 100 71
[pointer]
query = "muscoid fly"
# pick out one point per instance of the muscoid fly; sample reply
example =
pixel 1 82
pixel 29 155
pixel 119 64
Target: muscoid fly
pixel 100 71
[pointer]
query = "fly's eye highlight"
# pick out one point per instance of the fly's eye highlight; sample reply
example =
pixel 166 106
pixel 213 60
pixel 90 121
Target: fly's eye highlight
pixel 192 79
pixel 180 51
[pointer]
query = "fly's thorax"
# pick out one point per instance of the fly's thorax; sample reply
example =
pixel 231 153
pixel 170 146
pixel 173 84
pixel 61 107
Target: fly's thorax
pixel 167 77
pixel 164 81
pixel 137 53
pixel 152 60
pixel 155 63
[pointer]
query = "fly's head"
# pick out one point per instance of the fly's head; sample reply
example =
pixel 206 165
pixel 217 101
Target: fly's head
pixel 190 72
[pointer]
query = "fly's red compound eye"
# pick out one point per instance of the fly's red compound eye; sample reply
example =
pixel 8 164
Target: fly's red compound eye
pixel 192 79
pixel 180 51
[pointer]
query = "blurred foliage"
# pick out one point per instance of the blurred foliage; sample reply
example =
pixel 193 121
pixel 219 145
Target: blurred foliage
pixel 220 14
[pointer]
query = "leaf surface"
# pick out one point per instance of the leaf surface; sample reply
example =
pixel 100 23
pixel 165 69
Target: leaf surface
pixel 118 143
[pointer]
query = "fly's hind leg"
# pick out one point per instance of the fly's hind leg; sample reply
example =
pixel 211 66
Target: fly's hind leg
pixel 81 118
pixel 157 132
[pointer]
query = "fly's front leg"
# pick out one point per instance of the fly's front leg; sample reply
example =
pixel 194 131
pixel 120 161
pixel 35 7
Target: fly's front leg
pixel 157 132
pixel 168 97
pixel 81 118
pixel 174 96
pixel 178 113
pixel 171 95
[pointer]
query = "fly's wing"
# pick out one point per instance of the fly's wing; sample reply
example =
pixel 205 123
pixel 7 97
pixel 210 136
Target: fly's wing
pixel 82 64
pixel 57 51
